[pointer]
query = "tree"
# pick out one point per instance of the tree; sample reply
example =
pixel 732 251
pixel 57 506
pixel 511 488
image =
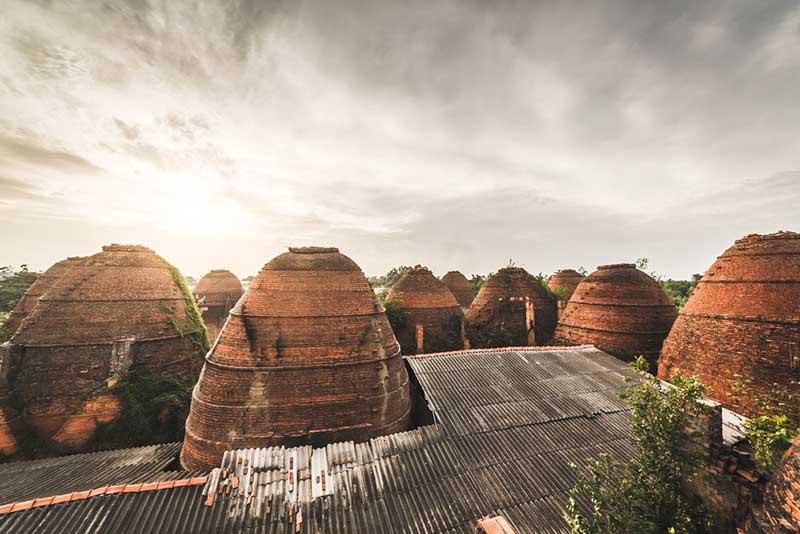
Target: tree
pixel 390 278
pixel 645 494
pixel 477 281
pixel 14 284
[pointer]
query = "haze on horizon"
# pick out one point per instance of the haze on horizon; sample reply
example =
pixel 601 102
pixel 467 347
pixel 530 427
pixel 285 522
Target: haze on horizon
pixel 456 134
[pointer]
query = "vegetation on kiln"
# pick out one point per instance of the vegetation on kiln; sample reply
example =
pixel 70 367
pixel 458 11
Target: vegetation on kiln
pixel 152 409
pixel 772 432
pixel 192 325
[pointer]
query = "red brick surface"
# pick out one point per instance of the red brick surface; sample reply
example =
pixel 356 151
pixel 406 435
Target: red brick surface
pixel 566 277
pixel 216 293
pixel 39 287
pixel 460 287
pixel 501 302
pixel 427 302
pixel 61 355
pixel 620 310
pixel 743 319
pixel 780 513
pixel 307 356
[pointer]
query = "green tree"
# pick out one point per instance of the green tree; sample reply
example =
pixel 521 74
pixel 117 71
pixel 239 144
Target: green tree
pixel 14 284
pixel 390 278
pixel 645 495
pixel 477 281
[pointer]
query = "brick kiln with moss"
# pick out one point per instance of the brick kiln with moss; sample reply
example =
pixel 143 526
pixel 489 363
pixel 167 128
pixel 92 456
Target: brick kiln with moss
pixel 307 356
pixel 216 293
pixel 432 319
pixel 511 309
pixel 460 287
pixel 620 310
pixel 740 330
pixel 122 310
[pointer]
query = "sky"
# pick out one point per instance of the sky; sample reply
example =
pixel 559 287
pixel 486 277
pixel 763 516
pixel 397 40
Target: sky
pixel 455 134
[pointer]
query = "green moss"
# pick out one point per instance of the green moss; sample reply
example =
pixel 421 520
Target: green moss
pixel 153 407
pixel 192 325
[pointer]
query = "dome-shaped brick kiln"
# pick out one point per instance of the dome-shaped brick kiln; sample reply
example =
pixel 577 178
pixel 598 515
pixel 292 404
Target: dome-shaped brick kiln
pixel 432 320
pixel 620 310
pixel 38 288
pixel 120 310
pixel 511 309
pixel 460 287
pixel 307 356
pixel 780 512
pixel 564 283
pixel 216 293
pixel 740 330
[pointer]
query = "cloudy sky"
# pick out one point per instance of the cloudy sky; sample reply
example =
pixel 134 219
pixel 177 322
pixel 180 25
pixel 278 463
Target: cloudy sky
pixel 453 133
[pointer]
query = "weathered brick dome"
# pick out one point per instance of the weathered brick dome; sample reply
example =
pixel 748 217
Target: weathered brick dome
pixel 307 356
pixel 39 287
pixel 431 314
pixel 568 279
pixel 620 310
pixel 780 512
pixel 511 308
pixel 216 293
pixel 460 287
pixel 740 330
pixel 122 308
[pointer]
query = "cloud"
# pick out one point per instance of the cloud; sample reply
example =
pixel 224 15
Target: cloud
pixel 28 151
pixel 453 132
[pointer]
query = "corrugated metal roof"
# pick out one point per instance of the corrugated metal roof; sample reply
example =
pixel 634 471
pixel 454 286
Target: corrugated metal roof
pixel 509 424
pixel 21 481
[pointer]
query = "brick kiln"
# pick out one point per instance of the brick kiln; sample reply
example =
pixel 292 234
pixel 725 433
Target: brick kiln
pixel 740 330
pixel 433 319
pixel 563 285
pixel 620 310
pixel 122 307
pixel 307 356
pixel 780 512
pixel 39 287
pixel 460 287
pixel 511 309
pixel 565 280
pixel 216 293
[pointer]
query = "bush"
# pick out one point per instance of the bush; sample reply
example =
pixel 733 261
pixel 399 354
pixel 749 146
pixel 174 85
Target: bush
pixel 645 494
pixel 770 436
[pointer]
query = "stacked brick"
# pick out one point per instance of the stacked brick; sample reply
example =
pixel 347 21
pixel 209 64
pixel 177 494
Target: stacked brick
pixel 460 287
pixel 511 309
pixel 123 306
pixel 780 512
pixel 740 330
pixel 565 280
pixel 620 310
pixel 216 293
pixel 307 356
pixel 431 313
pixel 39 287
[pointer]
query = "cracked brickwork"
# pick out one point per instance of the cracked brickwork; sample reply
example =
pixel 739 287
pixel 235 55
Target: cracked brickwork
pixel 501 304
pixel 307 356
pixel 621 311
pixel 61 357
pixel 216 293
pixel 740 330
pixel 427 303
pixel 460 287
